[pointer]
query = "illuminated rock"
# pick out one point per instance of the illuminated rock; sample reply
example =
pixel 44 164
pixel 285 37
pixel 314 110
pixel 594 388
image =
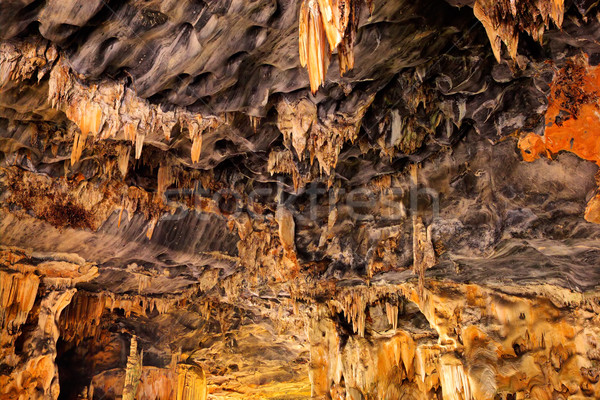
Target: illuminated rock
pixel 191 382
pixel 185 212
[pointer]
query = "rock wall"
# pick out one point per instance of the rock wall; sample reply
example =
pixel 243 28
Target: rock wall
pixel 329 199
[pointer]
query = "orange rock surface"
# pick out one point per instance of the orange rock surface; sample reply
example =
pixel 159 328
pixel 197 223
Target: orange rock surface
pixel 572 121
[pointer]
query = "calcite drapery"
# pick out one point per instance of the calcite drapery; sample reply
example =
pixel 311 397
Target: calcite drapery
pixel 191 382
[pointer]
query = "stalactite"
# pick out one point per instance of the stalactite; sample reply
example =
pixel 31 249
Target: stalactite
pixel 254 122
pixel 482 343
pixel 391 312
pixel 123 152
pixel 346 45
pixel 33 374
pixel 139 145
pixel 313 53
pixel 196 147
pixel 382 366
pixel 78 145
pixel 144 282
pixel 454 381
pixel 353 305
pixel 112 110
pixel 460 340
pixel 324 26
pixel 287 226
pixel 423 253
pixel 504 20
pixel 17 296
pixel 323 137
pixel 283 162
pixel 294 120
pixel 130 131
pixel 151 227
pixel 164 178
pixel 88 117
pixel 81 317
pixel 195 126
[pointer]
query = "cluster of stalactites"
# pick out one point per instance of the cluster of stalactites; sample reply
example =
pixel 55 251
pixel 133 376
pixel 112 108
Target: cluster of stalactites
pixel 327 25
pixel 17 296
pixel 81 318
pixel 503 20
pixel 111 110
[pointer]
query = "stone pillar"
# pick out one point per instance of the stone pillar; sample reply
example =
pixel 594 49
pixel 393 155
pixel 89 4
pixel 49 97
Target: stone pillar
pixel 133 371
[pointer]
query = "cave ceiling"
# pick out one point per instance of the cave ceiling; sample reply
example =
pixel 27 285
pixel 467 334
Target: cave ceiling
pixel 275 199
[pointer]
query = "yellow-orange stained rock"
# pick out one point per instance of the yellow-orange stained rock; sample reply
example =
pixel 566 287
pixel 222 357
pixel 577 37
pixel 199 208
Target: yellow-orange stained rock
pixel 191 382
pixel 505 20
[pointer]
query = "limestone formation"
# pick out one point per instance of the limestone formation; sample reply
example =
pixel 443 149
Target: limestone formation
pixel 299 199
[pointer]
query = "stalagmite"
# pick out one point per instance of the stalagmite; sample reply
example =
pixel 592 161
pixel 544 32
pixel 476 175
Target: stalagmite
pixel 423 253
pixel 133 371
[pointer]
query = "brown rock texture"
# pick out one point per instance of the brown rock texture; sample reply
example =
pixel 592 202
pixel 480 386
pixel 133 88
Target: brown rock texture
pixel 277 199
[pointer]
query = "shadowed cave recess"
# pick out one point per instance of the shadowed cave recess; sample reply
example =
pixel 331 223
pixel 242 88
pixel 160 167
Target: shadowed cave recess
pixel 299 199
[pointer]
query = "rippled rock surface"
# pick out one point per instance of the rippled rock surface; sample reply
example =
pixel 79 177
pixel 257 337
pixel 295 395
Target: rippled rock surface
pixel 328 199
